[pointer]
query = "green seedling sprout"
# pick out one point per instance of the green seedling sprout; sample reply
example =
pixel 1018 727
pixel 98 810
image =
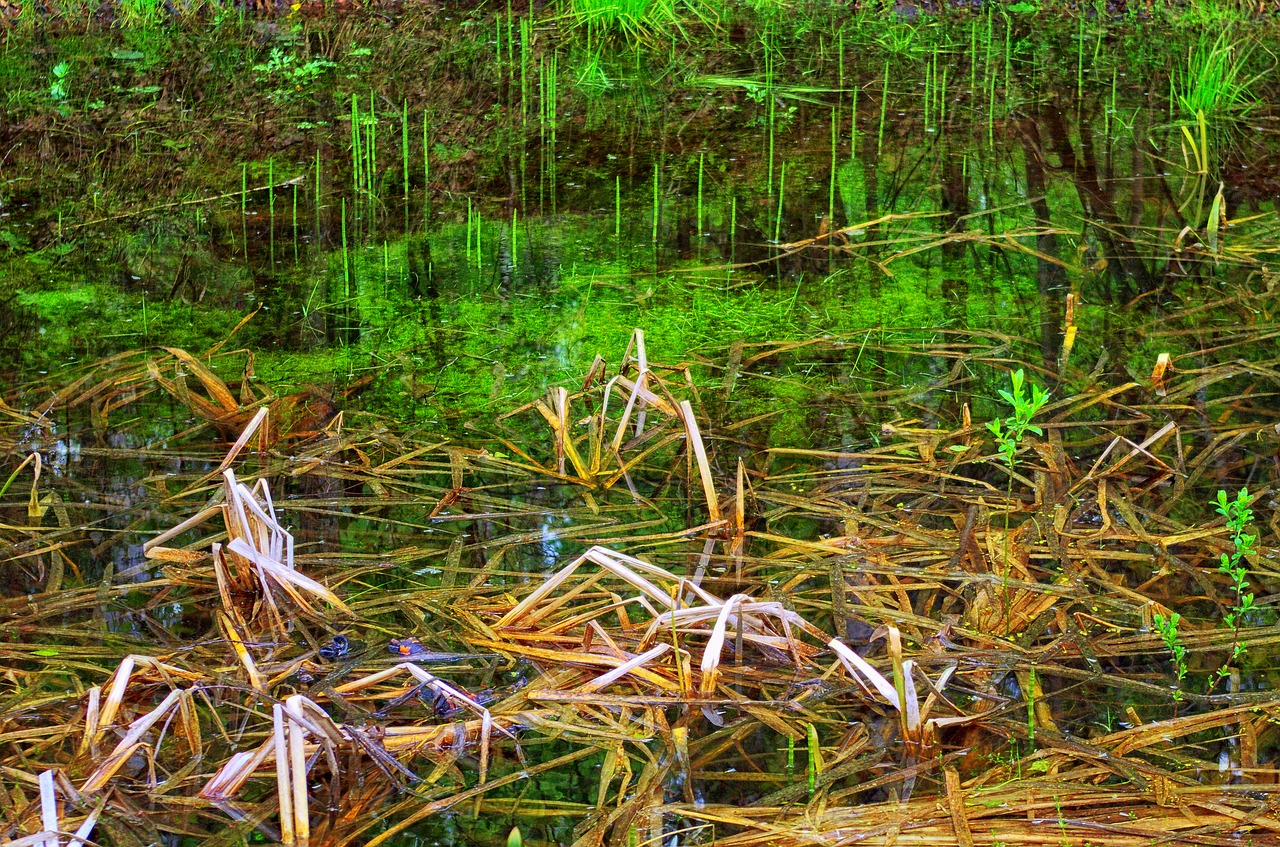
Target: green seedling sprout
pixel 1238 516
pixel 1167 627
pixel 1009 433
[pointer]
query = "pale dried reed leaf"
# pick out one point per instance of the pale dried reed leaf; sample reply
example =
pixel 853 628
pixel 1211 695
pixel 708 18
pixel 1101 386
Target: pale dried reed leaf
pixel 646 396
pixel 249 429
pixel 284 777
pixel 86 828
pixel 232 776
pixel 910 698
pixel 287 578
pixel 548 586
pixel 314 719
pixel 370 680
pixel 130 742
pixel 861 670
pixel 298 778
pixel 91 718
pixel 552 606
pixel 700 452
pixel 176 556
pixel 711 654
pixel 607 558
pixel 151 546
pixel 220 573
pixel 570 657
pixel 607 679
pixel 35 840
pixel 242 653
pixel 49 809
pixel 486 731
pixel 216 387
pixel 115 695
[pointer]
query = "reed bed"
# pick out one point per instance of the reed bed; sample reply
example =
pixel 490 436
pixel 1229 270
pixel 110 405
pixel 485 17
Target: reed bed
pixel 724 635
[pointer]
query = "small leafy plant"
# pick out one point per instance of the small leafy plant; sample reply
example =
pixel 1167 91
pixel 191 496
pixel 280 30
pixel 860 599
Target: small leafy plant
pixel 1168 629
pixel 1238 516
pixel 291 75
pixel 1010 431
pixel 60 87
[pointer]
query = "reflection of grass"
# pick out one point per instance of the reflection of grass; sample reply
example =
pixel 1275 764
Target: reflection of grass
pixel 1215 81
pixel 636 20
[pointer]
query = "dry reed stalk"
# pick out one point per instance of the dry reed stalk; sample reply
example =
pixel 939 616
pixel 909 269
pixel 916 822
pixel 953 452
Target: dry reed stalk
pixel 49 810
pixel 238 771
pixel 130 743
pixel 242 652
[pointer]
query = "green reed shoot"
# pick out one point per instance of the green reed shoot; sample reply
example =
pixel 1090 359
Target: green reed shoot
pixel 654 236
pixel 346 254
pixel 1111 107
pixel 295 224
pixel 701 161
pixel 777 222
pixel 372 174
pixel 316 189
pixel 814 759
pixel 840 67
pixel 515 241
pixel 1080 59
pixel 928 88
pixel 271 210
pixel 404 149
pixel 617 207
pixel 1238 516
pixel 772 102
pixel 991 110
pixel 884 108
pixel 853 123
pixel 973 58
pixel 942 99
pixel 356 158
pixel 1214 80
pixel 831 180
pixel 244 207
pixel 525 35
pixel 511 39
pixel 1008 59
pixel 733 230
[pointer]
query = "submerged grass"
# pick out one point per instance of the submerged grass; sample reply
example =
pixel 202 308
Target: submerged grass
pixel 613 604
pixel 1216 80
pixel 632 583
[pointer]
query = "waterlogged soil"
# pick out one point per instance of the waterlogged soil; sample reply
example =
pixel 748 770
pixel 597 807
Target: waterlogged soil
pixel 401 233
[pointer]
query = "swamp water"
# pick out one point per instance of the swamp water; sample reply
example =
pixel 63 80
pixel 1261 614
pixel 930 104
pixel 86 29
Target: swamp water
pixel 409 239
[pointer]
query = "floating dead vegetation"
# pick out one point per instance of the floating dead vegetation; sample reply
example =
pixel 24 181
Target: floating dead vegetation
pixel 335 631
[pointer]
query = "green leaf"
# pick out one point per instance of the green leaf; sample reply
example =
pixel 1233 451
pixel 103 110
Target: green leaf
pixel 45 652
